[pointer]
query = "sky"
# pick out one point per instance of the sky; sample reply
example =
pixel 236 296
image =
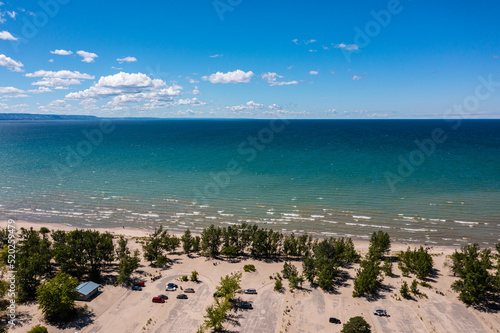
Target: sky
pixel 251 59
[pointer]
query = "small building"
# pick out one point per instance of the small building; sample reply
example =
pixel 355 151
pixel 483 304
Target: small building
pixel 86 290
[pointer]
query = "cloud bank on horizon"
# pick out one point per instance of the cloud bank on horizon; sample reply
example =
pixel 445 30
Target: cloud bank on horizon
pixel 314 60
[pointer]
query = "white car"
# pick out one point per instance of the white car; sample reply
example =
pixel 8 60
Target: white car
pixel 380 312
pixel 170 288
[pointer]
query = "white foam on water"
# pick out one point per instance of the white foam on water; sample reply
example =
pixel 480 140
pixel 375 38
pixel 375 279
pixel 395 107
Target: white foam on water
pixel 361 217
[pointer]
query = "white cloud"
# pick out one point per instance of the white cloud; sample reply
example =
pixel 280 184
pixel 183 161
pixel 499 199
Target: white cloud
pixel 11 92
pixel 5 35
pixel 190 101
pixel 295 41
pixel 237 76
pixel 313 72
pixel 40 90
pixel 347 47
pixel 61 52
pixel 14 108
pixel 313 50
pixel 87 56
pixel 55 82
pixel 51 60
pixel 10 63
pixel 12 14
pixel 126 59
pixel 58 105
pixel 250 105
pixel 193 81
pixel 356 77
pixel 216 56
pixel 125 89
pixel 273 77
pixel 63 74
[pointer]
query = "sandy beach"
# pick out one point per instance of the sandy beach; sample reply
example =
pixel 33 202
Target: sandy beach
pixel 118 309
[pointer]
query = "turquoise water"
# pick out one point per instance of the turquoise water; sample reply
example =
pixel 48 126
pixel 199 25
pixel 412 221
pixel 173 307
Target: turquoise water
pixel 338 177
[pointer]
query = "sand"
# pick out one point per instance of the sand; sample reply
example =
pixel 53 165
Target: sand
pixel 118 309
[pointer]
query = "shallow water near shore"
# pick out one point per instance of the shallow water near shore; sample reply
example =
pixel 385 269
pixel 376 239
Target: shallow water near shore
pixel 339 177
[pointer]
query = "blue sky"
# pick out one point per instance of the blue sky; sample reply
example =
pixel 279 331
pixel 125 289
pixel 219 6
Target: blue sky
pixel 251 59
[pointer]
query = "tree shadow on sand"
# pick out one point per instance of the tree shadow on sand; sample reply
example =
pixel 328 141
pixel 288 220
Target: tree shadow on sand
pixel 84 318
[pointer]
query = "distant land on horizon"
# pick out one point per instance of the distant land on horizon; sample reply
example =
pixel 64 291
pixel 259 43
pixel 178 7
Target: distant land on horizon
pixel 36 116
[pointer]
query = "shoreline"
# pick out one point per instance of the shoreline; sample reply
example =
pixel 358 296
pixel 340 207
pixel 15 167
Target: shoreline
pixel 360 244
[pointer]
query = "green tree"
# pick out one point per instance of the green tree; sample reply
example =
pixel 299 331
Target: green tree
pixel 405 291
pixel 153 247
pixel 228 285
pixel 187 241
pixel 170 243
pixel 194 276
pixel 380 244
pixel 56 297
pixel 475 284
pixel 417 261
pixel 217 314
pixel 387 267
pixel 368 280
pixel 356 325
pixel 229 252
pixel 122 250
pixel 196 244
pixel 127 266
pixel 211 241
pixel 32 262
pixel 38 329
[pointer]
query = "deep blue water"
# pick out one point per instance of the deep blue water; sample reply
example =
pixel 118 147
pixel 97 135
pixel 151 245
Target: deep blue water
pixel 330 177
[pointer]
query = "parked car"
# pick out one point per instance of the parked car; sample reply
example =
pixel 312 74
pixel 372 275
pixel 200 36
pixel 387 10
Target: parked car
pixel 158 300
pixel 182 296
pixel 334 320
pixel 139 283
pixel 189 290
pixel 250 291
pixel 245 305
pixel 380 313
pixel 170 284
pixel 216 294
pixel 165 297
pixel 170 288
pixel 136 288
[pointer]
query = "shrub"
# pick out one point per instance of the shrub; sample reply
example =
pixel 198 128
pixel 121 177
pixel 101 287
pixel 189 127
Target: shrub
pixel 184 278
pixel 405 291
pixel 56 297
pixel 194 276
pixel 414 288
pixel 249 268
pixel 380 243
pixel 387 267
pixel 356 324
pixel 278 285
pixel 38 329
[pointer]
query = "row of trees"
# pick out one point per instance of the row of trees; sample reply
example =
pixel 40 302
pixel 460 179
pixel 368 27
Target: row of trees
pixel 228 241
pixel 81 254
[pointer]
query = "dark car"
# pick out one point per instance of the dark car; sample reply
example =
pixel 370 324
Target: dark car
pixel 158 300
pixel 334 320
pixel 245 305
pixel 189 290
pixel 380 313
pixel 139 283
pixel 182 296
pixel 136 288
pixel 165 297
pixel 170 284
pixel 250 291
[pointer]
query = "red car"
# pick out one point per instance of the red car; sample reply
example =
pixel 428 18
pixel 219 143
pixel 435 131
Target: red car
pixel 139 283
pixel 158 300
